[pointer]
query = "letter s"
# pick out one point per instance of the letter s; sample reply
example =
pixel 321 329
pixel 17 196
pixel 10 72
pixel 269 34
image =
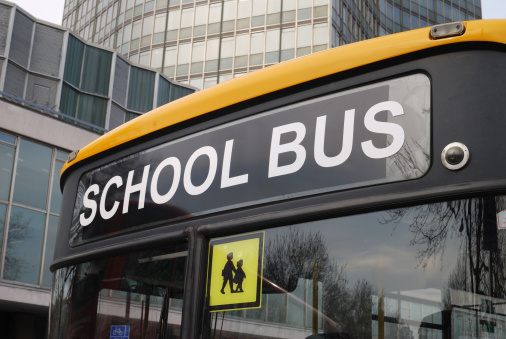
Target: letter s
pixel 91 204
pixel 375 126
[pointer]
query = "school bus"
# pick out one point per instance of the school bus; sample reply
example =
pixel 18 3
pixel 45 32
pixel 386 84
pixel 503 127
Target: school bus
pixel 358 192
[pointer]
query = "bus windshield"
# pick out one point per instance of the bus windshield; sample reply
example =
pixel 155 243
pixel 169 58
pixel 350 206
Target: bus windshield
pixel 136 293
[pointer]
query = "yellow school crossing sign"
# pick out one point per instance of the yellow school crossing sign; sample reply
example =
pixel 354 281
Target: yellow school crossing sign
pixel 235 271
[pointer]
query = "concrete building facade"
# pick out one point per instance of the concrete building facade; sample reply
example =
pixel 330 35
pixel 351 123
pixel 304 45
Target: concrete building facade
pixel 202 43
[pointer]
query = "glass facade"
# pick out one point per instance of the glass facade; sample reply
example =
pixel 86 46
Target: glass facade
pixel 55 71
pixel 90 84
pixel 202 43
pixel 30 200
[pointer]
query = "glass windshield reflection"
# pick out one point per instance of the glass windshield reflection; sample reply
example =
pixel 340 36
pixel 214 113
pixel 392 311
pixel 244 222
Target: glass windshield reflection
pixel 429 271
pixel 142 291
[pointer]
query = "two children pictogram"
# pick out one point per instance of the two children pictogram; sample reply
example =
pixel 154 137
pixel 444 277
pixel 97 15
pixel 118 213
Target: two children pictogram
pixel 232 276
pixel 228 288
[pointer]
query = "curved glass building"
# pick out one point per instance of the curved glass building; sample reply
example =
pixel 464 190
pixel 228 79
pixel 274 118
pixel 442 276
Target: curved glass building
pixel 205 42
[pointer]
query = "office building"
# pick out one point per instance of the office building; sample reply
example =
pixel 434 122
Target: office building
pixel 57 93
pixel 202 43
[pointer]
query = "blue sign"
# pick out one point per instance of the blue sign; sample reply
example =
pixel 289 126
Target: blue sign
pixel 120 332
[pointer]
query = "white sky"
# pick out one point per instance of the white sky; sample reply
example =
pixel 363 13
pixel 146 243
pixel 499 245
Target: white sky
pixel 52 10
pixel 47 10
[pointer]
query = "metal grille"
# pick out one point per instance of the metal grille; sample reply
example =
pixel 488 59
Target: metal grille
pixel 4 26
pixel 117 116
pixel 21 39
pixel 47 50
pixel 15 80
pixel 120 82
pixel 41 91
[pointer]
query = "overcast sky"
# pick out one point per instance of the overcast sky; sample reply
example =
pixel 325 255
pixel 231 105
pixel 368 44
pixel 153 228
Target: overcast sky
pixel 52 10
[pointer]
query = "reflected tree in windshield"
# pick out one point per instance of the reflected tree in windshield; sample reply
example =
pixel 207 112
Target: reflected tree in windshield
pixel 479 267
pixel 298 255
pixel 412 160
pixel 19 232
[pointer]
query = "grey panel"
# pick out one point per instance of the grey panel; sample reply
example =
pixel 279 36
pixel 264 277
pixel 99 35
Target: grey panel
pixel 21 39
pixel 47 50
pixel 117 116
pixel 1 70
pixel 41 91
pixel 15 80
pixel 119 88
pixel 5 13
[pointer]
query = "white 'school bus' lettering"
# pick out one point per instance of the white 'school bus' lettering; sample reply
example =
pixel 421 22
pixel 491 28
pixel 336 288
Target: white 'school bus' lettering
pixel 274 168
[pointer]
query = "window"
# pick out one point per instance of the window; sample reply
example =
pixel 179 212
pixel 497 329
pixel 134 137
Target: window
pixel 210 81
pixel 143 289
pixel 320 34
pixel 156 58
pixel 169 61
pixel 198 51
pixel 417 271
pixel 257 43
pixel 229 10
pixel 212 53
pixel 96 71
pixel 187 18
pixel 92 109
pixel 29 208
pixel 244 9
pixel 173 22
pixel 201 15
pixel 7 151
pixel 304 36
pixel 160 21
pixel 273 6
pixel 227 53
pixel 56 195
pixel 183 58
pixel 75 50
pixel 3 219
pixel 136 29
pixel 147 25
pixel 242 44
pixel 144 58
pixel 215 13
pixel 24 245
pixel 128 32
pixel 141 90
pixel 258 7
pixel 287 44
pixel 32 174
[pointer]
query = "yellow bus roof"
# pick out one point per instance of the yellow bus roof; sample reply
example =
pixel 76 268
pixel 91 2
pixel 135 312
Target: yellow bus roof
pixel 285 75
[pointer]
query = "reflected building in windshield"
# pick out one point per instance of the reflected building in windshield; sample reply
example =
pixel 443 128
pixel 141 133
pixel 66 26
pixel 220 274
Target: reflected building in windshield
pixel 428 271
pixel 424 272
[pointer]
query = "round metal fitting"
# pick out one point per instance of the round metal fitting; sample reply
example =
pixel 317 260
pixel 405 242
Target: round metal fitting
pixel 455 156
